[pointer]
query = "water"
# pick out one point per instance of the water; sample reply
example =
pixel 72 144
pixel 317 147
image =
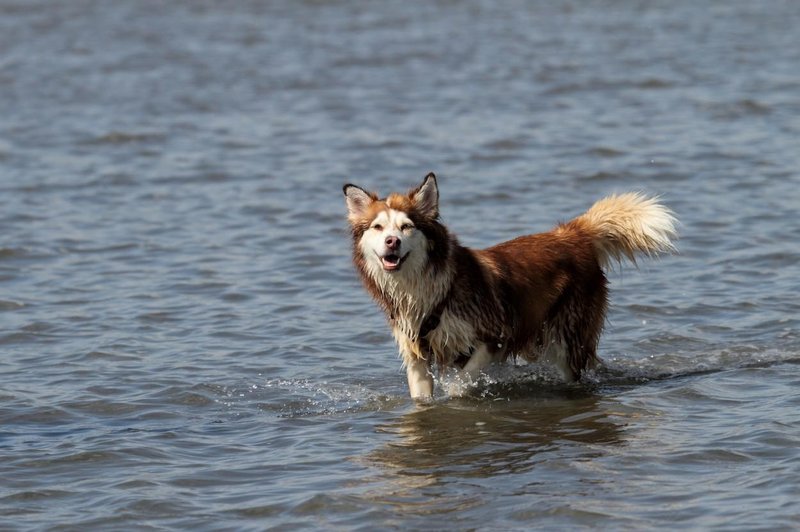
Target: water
pixel 183 340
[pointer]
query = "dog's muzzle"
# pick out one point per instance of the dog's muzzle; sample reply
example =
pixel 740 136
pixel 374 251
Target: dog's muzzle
pixel 392 259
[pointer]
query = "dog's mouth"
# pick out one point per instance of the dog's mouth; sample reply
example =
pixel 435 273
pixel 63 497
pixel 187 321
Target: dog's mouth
pixel 391 262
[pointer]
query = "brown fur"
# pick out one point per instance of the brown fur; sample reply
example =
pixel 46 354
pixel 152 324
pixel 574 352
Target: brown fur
pixel 552 287
pixel 524 295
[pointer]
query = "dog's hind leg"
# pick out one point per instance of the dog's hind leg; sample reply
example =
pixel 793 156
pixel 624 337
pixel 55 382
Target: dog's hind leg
pixel 579 332
pixel 557 354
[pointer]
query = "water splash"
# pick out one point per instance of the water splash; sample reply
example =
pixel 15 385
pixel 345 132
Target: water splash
pixel 621 370
pixel 506 381
pixel 291 398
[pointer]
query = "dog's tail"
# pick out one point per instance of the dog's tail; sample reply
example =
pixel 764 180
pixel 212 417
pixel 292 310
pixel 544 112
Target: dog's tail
pixel 627 224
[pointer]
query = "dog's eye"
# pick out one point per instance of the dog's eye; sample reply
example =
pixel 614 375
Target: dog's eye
pixel 378 227
pixel 406 227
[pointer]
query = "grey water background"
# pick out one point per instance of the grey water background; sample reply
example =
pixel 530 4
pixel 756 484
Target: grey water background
pixel 183 340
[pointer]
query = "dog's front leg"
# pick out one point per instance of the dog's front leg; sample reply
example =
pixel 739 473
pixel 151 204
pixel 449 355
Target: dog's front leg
pixel 479 360
pixel 420 378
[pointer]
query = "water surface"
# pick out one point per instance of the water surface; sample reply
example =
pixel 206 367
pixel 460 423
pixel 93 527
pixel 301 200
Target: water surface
pixel 184 342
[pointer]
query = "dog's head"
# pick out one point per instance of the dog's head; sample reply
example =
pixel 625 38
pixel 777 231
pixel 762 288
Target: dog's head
pixel 393 236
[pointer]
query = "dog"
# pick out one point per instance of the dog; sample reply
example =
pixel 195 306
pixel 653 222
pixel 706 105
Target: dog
pixel 537 296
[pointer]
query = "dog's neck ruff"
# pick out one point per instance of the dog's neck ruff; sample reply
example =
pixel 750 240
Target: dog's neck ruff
pixel 419 314
pixel 434 317
pixel 414 301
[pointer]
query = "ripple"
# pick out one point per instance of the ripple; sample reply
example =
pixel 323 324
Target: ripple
pixel 303 398
pixel 85 458
pixel 6 305
pixel 10 252
pixel 606 152
pixel 35 495
pixel 109 356
pixel 123 137
pixel 602 176
pixel 102 407
pixel 623 370
pixel 737 109
pixel 36 415
pixel 600 84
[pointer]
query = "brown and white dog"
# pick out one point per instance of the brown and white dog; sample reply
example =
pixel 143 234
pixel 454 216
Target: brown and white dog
pixel 540 295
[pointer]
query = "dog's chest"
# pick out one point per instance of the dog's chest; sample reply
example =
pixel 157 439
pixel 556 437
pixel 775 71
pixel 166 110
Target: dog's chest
pixel 452 338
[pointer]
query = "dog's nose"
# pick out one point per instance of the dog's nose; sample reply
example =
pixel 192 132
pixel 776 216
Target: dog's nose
pixel 393 243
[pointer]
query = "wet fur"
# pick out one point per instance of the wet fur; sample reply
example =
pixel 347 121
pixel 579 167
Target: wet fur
pixel 536 295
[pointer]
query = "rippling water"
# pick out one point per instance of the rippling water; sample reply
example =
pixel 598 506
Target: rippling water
pixel 184 343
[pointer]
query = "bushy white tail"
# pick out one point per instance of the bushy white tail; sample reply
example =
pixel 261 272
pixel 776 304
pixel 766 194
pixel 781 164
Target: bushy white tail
pixel 628 224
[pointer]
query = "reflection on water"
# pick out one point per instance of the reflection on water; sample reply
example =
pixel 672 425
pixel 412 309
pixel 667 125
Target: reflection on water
pixel 475 439
pixel 581 454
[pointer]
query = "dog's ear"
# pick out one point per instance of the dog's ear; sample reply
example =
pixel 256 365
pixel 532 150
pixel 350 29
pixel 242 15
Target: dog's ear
pixel 426 197
pixel 358 200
